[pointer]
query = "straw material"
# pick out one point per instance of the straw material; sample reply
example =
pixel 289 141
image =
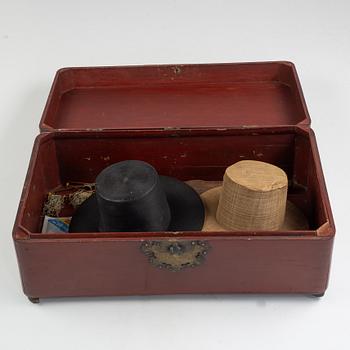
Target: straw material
pixel 294 218
pixel 253 197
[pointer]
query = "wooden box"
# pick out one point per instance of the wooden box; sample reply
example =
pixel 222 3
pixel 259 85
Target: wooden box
pixel 191 122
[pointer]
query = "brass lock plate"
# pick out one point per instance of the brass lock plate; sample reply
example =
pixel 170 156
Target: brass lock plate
pixel 175 255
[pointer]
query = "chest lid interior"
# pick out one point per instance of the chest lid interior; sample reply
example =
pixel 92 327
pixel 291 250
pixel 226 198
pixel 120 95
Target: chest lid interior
pixel 191 96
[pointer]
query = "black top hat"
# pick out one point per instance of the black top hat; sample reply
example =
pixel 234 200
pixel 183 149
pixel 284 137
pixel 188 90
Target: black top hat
pixel 131 196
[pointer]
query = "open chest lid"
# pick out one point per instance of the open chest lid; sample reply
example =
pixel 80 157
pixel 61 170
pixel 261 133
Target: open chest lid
pixel 190 96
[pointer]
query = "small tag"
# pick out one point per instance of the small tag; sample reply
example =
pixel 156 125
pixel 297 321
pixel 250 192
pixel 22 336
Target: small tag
pixel 56 225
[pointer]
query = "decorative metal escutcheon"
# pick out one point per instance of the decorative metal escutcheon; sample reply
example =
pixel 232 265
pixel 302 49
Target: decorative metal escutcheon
pixel 175 255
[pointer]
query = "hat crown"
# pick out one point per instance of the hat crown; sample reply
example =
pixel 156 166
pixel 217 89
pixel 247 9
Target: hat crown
pixel 126 181
pixel 253 196
pixel 131 198
pixel 257 176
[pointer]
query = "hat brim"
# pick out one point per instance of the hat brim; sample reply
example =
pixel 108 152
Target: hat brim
pixel 186 207
pixel 294 218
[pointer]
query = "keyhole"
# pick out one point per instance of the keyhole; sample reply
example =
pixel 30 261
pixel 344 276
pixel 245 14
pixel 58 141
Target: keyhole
pixel 176 249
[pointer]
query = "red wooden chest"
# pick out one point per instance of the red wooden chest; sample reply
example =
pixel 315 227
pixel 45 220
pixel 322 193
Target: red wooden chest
pixel 191 122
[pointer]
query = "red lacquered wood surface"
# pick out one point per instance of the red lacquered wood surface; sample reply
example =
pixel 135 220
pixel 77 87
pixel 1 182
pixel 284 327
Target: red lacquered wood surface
pixel 189 121
pixel 117 267
pixel 176 96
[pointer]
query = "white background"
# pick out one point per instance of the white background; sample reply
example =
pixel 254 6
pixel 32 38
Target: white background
pixel 38 37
